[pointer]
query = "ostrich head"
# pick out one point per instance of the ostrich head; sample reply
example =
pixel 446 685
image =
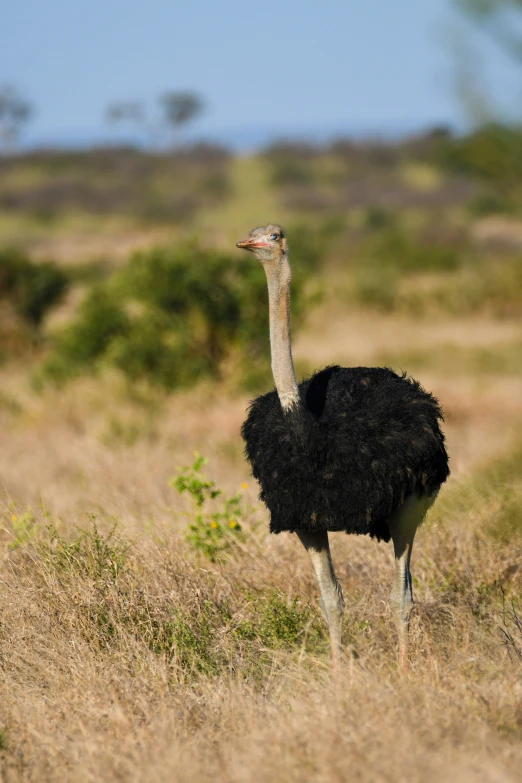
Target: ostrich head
pixel 268 243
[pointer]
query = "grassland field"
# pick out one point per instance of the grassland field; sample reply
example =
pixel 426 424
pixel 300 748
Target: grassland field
pixel 147 636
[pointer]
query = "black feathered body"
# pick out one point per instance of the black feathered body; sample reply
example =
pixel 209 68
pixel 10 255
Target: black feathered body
pixel 360 441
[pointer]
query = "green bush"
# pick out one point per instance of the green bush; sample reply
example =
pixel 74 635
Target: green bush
pixel 32 288
pixel 278 623
pixel 492 285
pixel 291 164
pixel 286 171
pixel 101 319
pixel 309 244
pixel 100 556
pixel 491 203
pixel 395 249
pixel 389 257
pixel 378 218
pixel 172 316
pixel 377 289
pixel 493 153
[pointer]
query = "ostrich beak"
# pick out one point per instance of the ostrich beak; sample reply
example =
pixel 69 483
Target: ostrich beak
pixel 251 244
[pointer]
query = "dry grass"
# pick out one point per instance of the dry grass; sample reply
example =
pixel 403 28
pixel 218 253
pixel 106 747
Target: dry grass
pixel 129 656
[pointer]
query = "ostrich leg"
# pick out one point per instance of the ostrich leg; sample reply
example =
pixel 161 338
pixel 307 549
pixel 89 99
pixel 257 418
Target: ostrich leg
pixel 403 526
pixel 332 603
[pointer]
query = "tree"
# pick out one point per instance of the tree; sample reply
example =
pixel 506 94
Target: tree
pixel 125 111
pixel 499 24
pixel 499 19
pixel 177 109
pixel 180 108
pixel 130 114
pixel 15 111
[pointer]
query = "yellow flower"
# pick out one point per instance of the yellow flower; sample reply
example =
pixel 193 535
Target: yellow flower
pixel 214 525
pixel 244 486
pixel 14 518
pixel 233 523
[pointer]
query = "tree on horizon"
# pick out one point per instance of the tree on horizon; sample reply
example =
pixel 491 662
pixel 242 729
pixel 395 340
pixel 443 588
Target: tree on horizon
pixel 15 112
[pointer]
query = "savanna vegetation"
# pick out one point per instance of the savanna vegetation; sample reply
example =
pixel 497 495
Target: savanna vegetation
pixel 151 629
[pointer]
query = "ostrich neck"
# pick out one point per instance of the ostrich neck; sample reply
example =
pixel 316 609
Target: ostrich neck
pixel 278 278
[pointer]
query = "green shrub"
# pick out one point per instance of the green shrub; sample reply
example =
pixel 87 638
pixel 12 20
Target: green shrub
pixel 33 288
pixel 93 553
pixel 377 289
pixel 493 285
pixel 25 529
pixel 397 250
pixel 158 347
pixel 279 623
pixel 291 164
pixel 100 320
pixel 377 218
pixel 172 316
pixel 389 257
pixel 286 171
pixel 168 187
pixel 491 203
pixel 308 244
pixel 191 639
pixel 492 153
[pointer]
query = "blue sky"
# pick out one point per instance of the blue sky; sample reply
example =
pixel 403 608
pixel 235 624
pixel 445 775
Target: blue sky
pixel 265 67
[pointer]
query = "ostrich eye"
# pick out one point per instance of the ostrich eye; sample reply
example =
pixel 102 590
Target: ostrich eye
pixel 273 236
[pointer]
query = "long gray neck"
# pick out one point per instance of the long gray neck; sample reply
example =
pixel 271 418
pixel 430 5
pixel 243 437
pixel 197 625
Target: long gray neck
pixel 279 274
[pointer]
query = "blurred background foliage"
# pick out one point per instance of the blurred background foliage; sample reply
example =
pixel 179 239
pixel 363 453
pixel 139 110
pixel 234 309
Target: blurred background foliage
pixel 173 315
pixel 122 256
pixel 424 225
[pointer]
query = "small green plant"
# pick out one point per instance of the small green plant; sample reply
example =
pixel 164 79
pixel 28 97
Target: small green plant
pixel 191 480
pixel 191 638
pixel 279 623
pixel 98 555
pixel 25 527
pixel 213 531
pixel 3 741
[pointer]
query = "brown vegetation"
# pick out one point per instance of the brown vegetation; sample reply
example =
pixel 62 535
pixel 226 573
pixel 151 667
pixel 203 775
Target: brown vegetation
pixel 131 656
pixel 144 637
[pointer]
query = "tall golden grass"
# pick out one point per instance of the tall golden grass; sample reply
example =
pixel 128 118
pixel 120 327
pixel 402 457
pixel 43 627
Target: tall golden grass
pixel 125 654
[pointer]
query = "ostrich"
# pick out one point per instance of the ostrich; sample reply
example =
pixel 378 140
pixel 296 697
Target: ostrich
pixel 354 449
